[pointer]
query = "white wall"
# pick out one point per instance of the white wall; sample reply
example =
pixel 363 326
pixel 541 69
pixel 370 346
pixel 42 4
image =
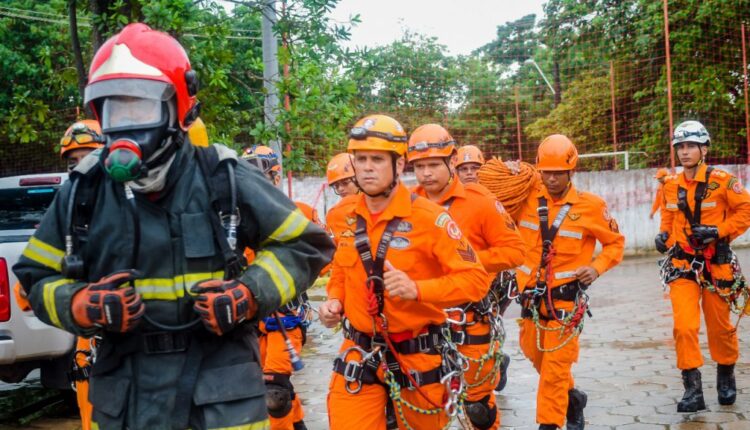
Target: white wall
pixel 629 194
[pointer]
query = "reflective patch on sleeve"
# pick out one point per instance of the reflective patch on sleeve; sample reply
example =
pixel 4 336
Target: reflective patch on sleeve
pixel 44 254
pixel 280 277
pixel 290 229
pixel 528 224
pixel 572 234
pixel 48 295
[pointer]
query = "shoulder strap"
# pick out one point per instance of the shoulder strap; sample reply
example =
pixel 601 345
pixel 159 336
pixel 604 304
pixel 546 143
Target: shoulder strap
pixel 224 202
pixel 700 191
pixel 374 267
pixel 549 232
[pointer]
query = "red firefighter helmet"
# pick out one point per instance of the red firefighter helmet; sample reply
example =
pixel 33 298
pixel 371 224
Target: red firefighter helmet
pixel 145 63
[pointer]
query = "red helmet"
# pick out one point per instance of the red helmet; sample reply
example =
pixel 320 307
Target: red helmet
pixel 141 62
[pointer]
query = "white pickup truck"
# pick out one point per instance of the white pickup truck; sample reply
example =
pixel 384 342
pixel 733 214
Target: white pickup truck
pixel 26 343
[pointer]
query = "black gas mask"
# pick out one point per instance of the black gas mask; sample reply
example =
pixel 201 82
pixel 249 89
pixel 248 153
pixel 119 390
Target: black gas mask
pixel 135 129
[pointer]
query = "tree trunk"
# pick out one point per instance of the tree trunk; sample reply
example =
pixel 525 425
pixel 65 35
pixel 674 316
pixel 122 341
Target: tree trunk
pixel 77 54
pixel 557 83
pixel 97 34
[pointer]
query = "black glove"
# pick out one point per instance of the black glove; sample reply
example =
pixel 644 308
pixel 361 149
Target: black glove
pixel 703 235
pixel 661 242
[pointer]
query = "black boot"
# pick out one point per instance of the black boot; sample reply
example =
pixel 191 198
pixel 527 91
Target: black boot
pixel 692 400
pixel 576 402
pixel 504 363
pixel 725 384
pixel 547 427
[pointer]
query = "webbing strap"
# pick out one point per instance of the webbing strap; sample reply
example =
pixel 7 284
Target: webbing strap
pixel 374 267
pixel 549 232
pixel 700 191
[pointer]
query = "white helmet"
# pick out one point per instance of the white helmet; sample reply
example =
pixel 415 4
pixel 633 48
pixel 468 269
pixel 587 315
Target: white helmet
pixel 691 131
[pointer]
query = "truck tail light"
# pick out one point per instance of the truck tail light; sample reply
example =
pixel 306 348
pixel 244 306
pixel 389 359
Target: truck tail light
pixel 4 291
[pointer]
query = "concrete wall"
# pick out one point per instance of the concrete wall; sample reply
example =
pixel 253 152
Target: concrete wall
pixel 629 194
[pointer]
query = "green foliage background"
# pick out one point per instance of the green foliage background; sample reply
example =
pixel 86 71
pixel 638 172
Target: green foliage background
pixel 577 44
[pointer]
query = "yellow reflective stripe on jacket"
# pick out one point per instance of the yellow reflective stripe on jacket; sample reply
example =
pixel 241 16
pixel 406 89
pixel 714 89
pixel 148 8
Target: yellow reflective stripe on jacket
pixel 43 253
pixel 281 279
pixel 290 229
pixel 172 288
pixel 48 294
pixel 260 425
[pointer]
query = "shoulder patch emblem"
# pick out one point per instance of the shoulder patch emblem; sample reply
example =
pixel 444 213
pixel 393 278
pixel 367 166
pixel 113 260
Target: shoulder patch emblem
pixel 442 219
pixel 351 220
pixel 573 216
pixel 713 185
pixel 453 231
pixel 718 173
pixel 399 242
pixel 404 227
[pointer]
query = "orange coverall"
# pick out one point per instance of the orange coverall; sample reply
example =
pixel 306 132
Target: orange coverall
pixel 493 235
pixel 430 248
pixel 658 200
pixel 726 205
pixel 587 222
pixel 273 354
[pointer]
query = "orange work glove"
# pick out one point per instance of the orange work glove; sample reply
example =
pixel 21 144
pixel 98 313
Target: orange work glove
pixel 109 305
pixel 223 304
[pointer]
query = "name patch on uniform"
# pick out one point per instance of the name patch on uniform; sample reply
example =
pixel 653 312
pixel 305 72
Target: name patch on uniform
pixel 572 234
pixel 708 204
pixel 528 224
pixel 671 205
pixel 404 227
pixel 453 231
pixel 347 233
pixel 442 219
pixel 399 242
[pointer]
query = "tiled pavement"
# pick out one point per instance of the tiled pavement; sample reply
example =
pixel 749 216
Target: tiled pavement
pixel 626 365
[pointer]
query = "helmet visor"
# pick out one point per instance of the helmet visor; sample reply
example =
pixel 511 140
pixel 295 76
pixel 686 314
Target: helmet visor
pixel 123 113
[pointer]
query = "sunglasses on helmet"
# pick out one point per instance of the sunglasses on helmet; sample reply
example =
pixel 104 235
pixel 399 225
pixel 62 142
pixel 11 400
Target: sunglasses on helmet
pixel 81 134
pixel 361 133
pixel 424 146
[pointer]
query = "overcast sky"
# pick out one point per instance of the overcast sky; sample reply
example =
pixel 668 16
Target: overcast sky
pixel 461 25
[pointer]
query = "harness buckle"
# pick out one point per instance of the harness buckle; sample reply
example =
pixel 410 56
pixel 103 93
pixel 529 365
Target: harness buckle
pixel 697 265
pixel 458 337
pixel 352 371
pixel 417 378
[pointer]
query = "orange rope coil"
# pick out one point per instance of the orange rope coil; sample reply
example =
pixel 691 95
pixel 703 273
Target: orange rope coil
pixel 511 190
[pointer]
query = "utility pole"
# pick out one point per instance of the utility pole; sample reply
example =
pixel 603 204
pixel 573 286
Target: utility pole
pixel 270 72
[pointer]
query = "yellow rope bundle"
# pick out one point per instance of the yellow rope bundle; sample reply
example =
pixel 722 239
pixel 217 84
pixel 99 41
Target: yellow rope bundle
pixel 511 190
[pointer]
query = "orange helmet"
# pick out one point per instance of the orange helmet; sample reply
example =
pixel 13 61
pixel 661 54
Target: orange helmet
pixel 82 134
pixel 556 153
pixel 263 157
pixel 469 154
pixel 661 173
pixel 198 134
pixel 428 141
pixel 339 168
pixel 377 133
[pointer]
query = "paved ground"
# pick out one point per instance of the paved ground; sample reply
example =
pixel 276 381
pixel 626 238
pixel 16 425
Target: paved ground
pixel 626 364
